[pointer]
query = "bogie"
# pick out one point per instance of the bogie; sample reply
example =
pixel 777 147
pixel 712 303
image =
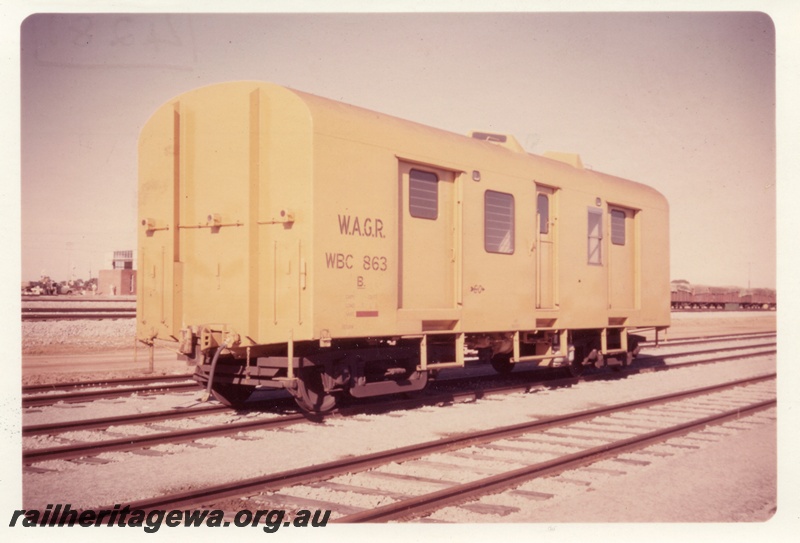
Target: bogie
pixel 502 363
pixel 232 395
pixel 311 394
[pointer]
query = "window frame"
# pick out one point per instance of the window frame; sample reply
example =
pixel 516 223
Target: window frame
pixel 496 247
pixel 615 226
pixel 597 238
pixel 544 219
pixel 414 211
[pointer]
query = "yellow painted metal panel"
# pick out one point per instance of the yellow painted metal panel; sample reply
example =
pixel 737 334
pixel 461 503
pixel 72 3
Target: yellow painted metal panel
pixel 279 214
pixel 159 177
pixel 621 259
pixel 547 260
pixel 427 247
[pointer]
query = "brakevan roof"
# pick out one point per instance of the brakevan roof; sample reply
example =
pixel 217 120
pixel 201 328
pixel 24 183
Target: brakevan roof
pixel 415 141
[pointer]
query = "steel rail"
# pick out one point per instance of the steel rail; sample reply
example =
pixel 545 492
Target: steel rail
pixel 105 422
pixel 621 374
pixel 679 365
pixel 47 387
pixel 78 316
pixel 141 442
pixel 708 339
pixel 69 298
pixel 429 399
pixel 718 350
pixel 327 470
pixel 420 505
pixel 479 393
pixel 34 310
pixel 49 399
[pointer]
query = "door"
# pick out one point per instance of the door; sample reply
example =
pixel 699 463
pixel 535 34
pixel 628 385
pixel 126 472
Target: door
pixel 427 238
pixel 545 248
pixel 622 258
pixel 161 158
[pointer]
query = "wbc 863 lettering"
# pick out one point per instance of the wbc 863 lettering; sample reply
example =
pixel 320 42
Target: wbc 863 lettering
pixel 342 261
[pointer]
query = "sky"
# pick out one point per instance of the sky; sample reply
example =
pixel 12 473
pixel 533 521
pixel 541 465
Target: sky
pixel 682 101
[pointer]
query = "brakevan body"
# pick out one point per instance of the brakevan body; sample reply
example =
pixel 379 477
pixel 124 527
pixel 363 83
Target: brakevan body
pixel 291 241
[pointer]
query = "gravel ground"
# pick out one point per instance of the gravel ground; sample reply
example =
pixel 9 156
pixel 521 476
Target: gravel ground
pixel 111 483
pixel 75 336
pixel 733 481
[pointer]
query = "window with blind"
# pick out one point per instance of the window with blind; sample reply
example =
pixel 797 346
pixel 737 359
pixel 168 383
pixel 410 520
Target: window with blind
pixel 617 227
pixel 423 194
pixel 498 221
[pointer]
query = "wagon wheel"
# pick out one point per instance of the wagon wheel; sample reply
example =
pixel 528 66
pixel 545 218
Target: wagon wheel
pixel 231 395
pixel 310 394
pixel 501 363
pixel 625 360
pixel 627 357
pixel 576 367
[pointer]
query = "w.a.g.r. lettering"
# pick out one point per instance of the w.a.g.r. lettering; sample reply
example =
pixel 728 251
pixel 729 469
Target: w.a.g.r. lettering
pixel 367 227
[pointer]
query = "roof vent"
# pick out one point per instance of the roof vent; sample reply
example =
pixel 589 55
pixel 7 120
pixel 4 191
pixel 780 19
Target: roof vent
pixel 503 140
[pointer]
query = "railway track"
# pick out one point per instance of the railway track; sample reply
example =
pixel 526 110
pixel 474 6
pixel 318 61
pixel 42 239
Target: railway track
pixel 538 446
pixel 415 506
pixel 436 396
pixel 50 387
pixel 107 422
pixel 145 441
pixel 43 398
pixel 709 339
pixel 33 395
pixel 77 307
pixel 77 314
pixel 90 313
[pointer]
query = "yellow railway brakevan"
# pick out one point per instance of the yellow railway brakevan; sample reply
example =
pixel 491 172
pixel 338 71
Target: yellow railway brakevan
pixel 291 241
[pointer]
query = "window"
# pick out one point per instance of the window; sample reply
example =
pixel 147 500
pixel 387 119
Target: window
pixel 423 194
pixel 543 210
pixel 617 227
pixel 595 237
pixel 498 222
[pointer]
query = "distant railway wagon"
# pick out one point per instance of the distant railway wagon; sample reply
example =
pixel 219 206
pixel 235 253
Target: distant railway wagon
pixel 758 299
pixel 687 296
pixel 291 241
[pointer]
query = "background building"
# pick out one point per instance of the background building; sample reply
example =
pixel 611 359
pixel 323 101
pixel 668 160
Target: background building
pixel 120 280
